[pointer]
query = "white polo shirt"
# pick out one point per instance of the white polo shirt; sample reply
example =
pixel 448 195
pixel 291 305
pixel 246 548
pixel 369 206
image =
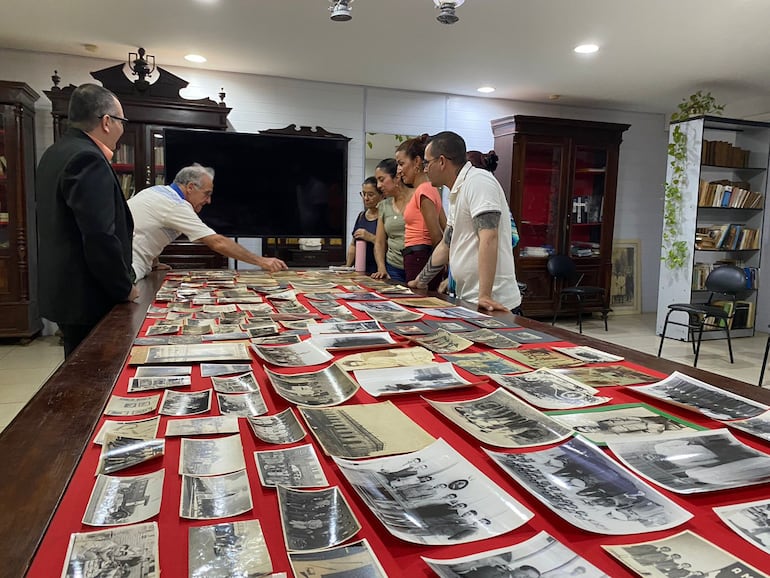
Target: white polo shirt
pixel 477 191
pixel 160 216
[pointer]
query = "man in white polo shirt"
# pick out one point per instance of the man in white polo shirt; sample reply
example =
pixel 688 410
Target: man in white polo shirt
pixel 163 212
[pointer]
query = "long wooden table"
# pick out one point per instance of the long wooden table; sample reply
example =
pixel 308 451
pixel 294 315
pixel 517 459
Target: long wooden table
pixel 41 448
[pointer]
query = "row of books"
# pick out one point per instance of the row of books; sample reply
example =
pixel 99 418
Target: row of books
pixel 160 155
pixel 701 270
pixel 723 154
pixel 727 237
pixel 741 315
pixel 727 194
pixel 124 155
pixel 127 184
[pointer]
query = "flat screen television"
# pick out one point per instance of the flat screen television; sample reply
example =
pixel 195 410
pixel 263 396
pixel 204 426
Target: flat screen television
pixel 267 185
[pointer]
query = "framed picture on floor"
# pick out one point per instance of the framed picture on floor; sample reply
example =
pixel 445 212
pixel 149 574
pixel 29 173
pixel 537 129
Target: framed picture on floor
pixel 625 292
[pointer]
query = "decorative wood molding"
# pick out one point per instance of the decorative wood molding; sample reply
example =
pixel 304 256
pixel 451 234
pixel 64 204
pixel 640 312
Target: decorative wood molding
pixel 305 131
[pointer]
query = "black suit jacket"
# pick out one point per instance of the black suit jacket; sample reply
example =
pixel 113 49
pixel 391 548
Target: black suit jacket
pixel 84 232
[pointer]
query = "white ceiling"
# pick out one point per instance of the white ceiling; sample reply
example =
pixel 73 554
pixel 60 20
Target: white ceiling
pixel 653 52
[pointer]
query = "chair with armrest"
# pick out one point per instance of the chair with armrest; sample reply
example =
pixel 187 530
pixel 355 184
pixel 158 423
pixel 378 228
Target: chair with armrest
pixel 563 270
pixel 726 283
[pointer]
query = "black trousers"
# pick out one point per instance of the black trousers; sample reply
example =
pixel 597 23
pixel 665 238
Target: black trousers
pixel 72 335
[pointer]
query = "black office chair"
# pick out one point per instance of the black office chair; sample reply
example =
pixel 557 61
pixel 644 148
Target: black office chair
pixel 764 361
pixel 724 283
pixel 562 269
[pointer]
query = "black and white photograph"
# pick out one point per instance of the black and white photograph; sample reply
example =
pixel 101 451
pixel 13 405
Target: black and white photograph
pixel 280 339
pixel 299 325
pixel 243 383
pixel 195 327
pixel 607 375
pixel 128 406
pixel 360 296
pixel 263 330
pixel 315 519
pixel 218 369
pixel 346 341
pixel 365 430
pixel 758 426
pixel 145 429
pixel 434 497
pixel 221 335
pixel 454 313
pixel 279 429
pixel 397 380
pixel 442 341
pixel 691 393
pixel 398 357
pixel 422 302
pixel 356 560
pixel 750 520
pixel 685 554
pixel 211 457
pixel 295 467
pixel 163 370
pixel 297 355
pixel 164 340
pixel 326 387
pixel 163 329
pixel 337 326
pixel 119 501
pixel 694 462
pixel 502 420
pixel 120 453
pixel 549 390
pixel 212 497
pixel 589 354
pixel 540 357
pixel 198 426
pixel 130 551
pixel 582 485
pixel 339 312
pixel 455 326
pixel 540 556
pixel 416 328
pixel 526 336
pixel 618 422
pixel 241 404
pixel 178 403
pixel 328 296
pixel 385 311
pixel 491 339
pixel 228 550
pixel 493 323
pixel 485 363
pixel 136 384
pixel 189 353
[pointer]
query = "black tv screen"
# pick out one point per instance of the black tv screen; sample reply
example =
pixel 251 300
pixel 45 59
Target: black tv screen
pixel 266 185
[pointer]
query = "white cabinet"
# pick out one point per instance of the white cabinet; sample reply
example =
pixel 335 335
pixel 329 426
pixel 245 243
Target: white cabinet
pixel 721 217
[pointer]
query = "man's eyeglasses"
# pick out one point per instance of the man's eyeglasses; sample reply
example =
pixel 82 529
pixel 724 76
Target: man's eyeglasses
pixel 429 161
pixel 115 117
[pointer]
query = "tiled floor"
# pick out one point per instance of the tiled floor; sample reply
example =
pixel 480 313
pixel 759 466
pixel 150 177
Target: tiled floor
pixel 24 368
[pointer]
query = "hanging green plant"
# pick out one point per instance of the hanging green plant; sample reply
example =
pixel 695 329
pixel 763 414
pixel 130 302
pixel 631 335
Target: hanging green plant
pixel 677 250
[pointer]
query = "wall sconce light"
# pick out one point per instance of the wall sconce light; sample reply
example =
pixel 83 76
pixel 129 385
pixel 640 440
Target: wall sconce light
pixel 340 10
pixel 141 66
pixel 447 10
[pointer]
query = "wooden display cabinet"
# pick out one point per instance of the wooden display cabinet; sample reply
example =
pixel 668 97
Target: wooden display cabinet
pixel 19 315
pixel 560 176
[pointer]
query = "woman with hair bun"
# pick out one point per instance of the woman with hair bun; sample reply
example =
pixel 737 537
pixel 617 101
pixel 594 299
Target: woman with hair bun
pixel 365 227
pixel 424 218
pixel 389 239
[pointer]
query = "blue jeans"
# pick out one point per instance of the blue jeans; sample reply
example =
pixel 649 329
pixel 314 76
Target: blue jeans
pixel 395 273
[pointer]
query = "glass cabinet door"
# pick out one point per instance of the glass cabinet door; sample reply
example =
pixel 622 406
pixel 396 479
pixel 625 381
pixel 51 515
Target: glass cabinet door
pixel 124 161
pixel 539 216
pixel 586 201
pixel 5 209
pixel 157 157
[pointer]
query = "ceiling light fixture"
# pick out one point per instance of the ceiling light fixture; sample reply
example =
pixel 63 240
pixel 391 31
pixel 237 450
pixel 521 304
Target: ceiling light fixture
pixel 195 58
pixel 586 48
pixel 486 89
pixel 340 10
pixel 447 10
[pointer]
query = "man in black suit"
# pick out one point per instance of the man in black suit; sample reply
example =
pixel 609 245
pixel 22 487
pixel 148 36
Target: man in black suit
pixel 84 225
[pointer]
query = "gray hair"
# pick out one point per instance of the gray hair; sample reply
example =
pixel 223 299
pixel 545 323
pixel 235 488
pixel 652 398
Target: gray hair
pixel 88 103
pixel 193 174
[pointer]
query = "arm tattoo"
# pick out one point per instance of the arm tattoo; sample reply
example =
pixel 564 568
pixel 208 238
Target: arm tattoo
pixel 428 273
pixel 448 235
pixel 488 220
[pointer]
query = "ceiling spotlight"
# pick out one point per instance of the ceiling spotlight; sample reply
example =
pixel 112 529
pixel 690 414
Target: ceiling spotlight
pixel 195 58
pixel 447 10
pixel 586 49
pixel 486 89
pixel 340 10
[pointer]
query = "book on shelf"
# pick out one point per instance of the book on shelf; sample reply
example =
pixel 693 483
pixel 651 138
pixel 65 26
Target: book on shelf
pixel 127 184
pixel 728 194
pixel 726 237
pixel 743 316
pixel 724 154
pixel 701 270
pixel 715 323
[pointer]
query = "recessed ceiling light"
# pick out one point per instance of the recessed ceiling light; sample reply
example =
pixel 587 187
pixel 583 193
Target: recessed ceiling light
pixel 195 58
pixel 586 48
pixel 486 89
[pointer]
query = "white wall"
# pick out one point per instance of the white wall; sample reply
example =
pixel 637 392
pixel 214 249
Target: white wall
pixel 261 102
